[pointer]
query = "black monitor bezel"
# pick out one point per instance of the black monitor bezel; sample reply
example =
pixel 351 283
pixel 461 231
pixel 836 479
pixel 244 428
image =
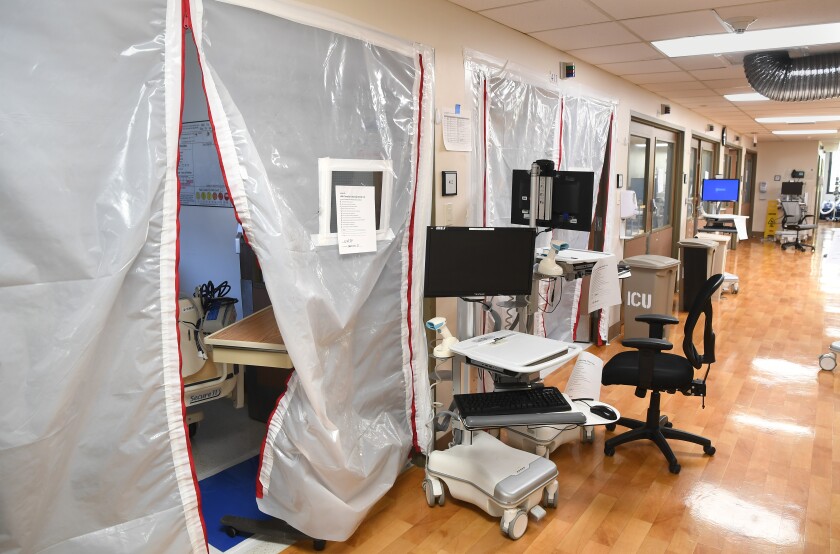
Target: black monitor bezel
pixel 800 187
pixel 473 261
pixel 521 193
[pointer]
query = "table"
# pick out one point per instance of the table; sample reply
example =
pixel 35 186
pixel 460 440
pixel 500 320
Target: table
pixel 254 340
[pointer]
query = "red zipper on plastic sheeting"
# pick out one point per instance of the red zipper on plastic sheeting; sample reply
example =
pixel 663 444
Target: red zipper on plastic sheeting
pixel 411 257
pixel 185 7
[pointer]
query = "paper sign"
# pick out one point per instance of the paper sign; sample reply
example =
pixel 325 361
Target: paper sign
pixel 603 285
pixel 585 380
pixel 356 219
pixel 456 132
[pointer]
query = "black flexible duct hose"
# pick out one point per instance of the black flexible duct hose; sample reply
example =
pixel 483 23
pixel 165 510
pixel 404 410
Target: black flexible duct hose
pixel 779 77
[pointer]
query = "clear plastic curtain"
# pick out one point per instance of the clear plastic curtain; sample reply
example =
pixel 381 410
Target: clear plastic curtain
pixel 293 93
pixel 520 118
pixel 93 451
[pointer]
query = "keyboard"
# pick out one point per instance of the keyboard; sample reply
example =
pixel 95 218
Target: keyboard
pixel 537 406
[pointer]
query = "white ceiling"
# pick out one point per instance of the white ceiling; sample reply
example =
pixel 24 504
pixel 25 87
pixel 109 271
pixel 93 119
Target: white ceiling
pixel 615 36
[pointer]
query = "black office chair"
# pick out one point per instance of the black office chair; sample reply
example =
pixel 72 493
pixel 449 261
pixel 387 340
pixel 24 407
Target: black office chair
pixel 794 220
pixel 648 368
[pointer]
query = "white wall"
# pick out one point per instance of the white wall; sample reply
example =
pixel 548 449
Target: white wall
pixel 780 158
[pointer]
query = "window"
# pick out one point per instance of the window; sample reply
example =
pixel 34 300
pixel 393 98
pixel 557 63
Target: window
pixel 333 173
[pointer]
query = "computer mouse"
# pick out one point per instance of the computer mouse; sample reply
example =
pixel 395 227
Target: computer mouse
pixel 603 411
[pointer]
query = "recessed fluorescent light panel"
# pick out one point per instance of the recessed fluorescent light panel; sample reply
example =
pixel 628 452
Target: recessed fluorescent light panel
pixel 806 132
pixel 766 39
pixel 745 97
pixel 798 119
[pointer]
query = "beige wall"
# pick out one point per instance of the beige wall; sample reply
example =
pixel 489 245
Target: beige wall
pixel 780 158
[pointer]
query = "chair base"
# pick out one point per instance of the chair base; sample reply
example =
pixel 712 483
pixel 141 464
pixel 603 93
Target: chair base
pixel 655 430
pixel 801 246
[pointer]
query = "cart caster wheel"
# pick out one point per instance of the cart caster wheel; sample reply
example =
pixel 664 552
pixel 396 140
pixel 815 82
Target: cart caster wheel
pixel 319 545
pixel 734 289
pixel 674 468
pixel 610 426
pixel 609 450
pixel 432 499
pixel 549 500
pixel 193 429
pixel 710 450
pixel 230 531
pixel 587 434
pixel 517 525
pixel 828 361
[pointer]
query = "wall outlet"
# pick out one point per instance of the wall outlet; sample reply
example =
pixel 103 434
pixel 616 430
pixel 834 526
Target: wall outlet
pixel 553 77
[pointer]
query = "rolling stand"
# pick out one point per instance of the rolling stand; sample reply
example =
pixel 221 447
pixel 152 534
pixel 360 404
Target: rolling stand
pixel 480 469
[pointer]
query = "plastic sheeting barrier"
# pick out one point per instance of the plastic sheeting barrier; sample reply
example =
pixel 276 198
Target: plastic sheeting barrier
pixel 93 449
pixel 286 91
pixel 520 118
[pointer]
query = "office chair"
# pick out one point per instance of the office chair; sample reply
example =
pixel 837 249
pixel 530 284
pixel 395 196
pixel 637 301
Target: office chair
pixel 794 220
pixel 648 368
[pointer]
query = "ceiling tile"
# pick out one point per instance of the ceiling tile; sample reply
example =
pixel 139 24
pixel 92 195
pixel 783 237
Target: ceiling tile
pixel 741 83
pixel 674 87
pixel 628 9
pixel 785 13
pixel 637 51
pixel 477 5
pixel 676 25
pixel 586 36
pixel 733 72
pixel 693 63
pixel 664 77
pixel 695 93
pixel 543 15
pixel 630 68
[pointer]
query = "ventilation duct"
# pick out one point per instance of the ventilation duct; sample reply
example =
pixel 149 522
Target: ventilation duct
pixel 779 77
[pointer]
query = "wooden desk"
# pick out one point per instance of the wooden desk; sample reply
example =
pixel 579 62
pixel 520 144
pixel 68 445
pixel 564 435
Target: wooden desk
pixel 254 340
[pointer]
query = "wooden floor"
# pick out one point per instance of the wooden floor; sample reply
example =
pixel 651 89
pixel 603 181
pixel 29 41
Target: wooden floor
pixel 772 486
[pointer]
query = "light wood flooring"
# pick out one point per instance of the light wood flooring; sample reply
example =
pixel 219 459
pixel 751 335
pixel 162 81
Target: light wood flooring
pixel 772 486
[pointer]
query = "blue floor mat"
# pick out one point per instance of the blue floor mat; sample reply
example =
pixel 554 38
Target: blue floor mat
pixel 230 492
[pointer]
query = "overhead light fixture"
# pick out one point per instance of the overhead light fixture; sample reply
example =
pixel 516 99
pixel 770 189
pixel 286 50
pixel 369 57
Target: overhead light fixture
pixel 765 39
pixel 798 119
pixel 806 132
pixel 745 97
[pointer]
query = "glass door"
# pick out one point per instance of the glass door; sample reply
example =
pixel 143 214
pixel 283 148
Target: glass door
pixel 703 155
pixel 651 175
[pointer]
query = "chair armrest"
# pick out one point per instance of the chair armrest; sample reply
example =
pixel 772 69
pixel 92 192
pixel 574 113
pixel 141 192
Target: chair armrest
pixel 657 323
pixel 806 216
pixel 653 344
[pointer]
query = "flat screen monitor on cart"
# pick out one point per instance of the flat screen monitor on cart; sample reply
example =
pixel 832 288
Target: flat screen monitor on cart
pixel 792 188
pixel 479 261
pixel 720 190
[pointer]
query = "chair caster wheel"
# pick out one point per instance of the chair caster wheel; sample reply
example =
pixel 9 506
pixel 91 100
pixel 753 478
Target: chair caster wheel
pixel 710 450
pixel 230 531
pixel 609 450
pixel 319 545
pixel 674 468
pixel 610 426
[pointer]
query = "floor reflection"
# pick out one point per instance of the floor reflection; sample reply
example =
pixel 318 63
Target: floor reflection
pixel 732 514
pixel 763 423
pixel 774 371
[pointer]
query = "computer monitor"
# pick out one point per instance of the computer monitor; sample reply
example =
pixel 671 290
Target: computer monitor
pixel 479 261
pixel 792 188
pixel 564 198
pixel 720 190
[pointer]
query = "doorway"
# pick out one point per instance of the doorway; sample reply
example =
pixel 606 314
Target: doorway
pixel 652 170
pixel 748 186
pixel 703 162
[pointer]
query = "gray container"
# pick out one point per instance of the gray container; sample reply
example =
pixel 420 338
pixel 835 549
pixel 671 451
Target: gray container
pixel 697 257
pixel 649 290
